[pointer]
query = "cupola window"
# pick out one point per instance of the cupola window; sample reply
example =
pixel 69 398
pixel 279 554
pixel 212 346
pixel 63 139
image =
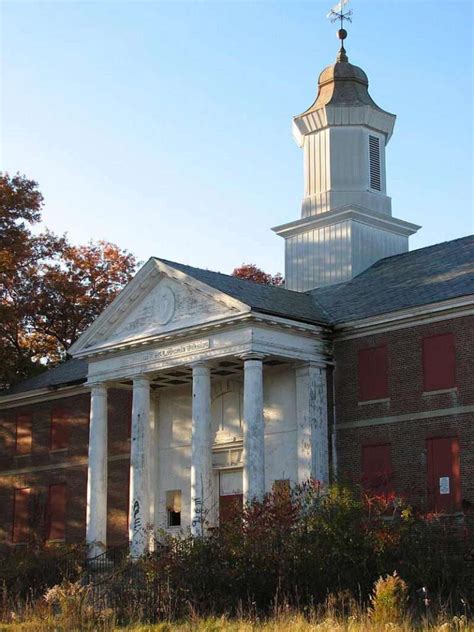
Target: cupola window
pixel 374 163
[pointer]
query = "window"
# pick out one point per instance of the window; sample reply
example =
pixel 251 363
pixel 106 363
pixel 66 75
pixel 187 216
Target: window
pixel 21 501
pixel 373 373
pixel 59 430
pixel 173 507
pixel 282 490
pixel 377 473
pixel 439 362
pixel 56 513
pixel 374 163
pixel 23 434
pixel 443 474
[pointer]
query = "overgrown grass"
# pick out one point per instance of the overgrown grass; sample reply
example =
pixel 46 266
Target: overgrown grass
pixel 357 622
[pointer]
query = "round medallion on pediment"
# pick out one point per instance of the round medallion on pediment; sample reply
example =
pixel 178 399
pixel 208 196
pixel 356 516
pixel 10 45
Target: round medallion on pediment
pixel 165 303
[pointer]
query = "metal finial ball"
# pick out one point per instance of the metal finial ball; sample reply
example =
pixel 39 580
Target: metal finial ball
pixel 342 34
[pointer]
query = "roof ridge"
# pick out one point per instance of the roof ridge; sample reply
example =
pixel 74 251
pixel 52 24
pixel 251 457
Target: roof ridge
pixel 229 276
pixel 416 250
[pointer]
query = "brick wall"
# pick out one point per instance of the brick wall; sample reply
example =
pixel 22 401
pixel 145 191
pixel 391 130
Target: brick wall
pixel 408 437
pixel 44 467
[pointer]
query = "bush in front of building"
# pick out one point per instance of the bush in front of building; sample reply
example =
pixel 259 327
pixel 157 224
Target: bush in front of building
pixel 296 548
pixel 27 572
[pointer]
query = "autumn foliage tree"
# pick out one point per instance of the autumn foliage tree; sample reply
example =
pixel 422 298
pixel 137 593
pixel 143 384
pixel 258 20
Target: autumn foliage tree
pixel 250 272
pixel 50 290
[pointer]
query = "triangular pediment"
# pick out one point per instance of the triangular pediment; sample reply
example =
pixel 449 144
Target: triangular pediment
pixel 159 300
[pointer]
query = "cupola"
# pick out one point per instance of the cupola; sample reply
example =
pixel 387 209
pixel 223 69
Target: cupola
pixel 346 217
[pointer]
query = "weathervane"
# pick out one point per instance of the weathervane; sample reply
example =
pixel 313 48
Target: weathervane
pixel 338 13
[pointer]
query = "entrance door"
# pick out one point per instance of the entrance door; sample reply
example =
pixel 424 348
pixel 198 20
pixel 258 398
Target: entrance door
pixel 444 484
pixel 230 494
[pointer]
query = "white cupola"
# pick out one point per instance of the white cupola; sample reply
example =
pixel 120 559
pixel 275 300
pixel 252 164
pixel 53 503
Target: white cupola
pixel 346 218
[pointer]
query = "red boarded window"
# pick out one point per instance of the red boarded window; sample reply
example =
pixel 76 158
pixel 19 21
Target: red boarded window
pixel 21 501
pixel 444 477
pixel 439 362
pixel 23 434
pixel 373 373
pixel 59 430
pixel 377 472
pixel 56 517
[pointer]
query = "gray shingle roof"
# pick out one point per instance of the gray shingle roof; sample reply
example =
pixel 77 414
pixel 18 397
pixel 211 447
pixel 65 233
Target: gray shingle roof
pixel 70 372
pixel 262 298
pixel 428 275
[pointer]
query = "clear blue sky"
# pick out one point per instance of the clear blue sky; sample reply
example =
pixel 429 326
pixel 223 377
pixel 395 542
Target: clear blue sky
pixel 165 126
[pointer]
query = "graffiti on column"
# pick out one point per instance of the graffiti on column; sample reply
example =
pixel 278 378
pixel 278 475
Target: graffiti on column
pixel 198 513
pixel 137 521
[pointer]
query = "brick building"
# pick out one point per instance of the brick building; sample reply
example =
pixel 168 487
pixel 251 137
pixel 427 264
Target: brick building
pixel 195 390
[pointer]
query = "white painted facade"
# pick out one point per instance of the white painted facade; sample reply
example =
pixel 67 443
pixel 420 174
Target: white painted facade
pixel 250 407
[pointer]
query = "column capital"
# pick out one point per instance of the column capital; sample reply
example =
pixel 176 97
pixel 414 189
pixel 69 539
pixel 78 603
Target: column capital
pixel 141 379
pixel 98 388
pixel 303 367
pixel 200 364
pixel 251 355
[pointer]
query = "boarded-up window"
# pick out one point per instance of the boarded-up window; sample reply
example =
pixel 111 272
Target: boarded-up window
pixel 444 477
pixel 373 373
pixel 59 430
pixel 23 434
pixel 173 507
pixel 230 495
pixel 21 502
pixel 56 514
pixel 377 473
pixel 439 362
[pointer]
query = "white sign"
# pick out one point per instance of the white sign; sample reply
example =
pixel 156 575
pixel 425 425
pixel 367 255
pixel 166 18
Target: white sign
pixel 444 484
pixel 169 352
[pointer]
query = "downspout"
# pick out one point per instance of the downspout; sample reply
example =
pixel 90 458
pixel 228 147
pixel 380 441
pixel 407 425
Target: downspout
pixel 334 426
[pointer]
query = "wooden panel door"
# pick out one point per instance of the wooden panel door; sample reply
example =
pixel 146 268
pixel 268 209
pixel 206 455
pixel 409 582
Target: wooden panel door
pixel 443 474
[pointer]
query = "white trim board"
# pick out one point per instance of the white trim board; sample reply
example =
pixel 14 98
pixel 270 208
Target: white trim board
pixel 426 414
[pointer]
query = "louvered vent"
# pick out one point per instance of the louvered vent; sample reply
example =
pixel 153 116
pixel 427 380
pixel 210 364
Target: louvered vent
pixel 374 159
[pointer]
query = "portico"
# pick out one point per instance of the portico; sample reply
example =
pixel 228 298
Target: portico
pixel 244 382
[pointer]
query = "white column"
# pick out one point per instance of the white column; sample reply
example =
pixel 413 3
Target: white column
pixel 312 423
pixel 201 449
pixel 96 512
pixel 153 468
pixel 254 446
pixel 139 509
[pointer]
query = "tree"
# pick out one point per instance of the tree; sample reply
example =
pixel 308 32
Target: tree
pixel 250 272
pixel 50 290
